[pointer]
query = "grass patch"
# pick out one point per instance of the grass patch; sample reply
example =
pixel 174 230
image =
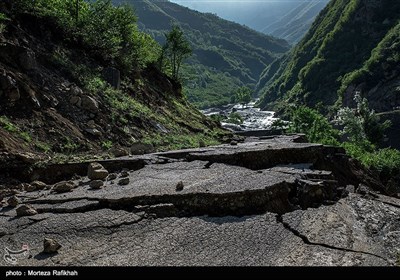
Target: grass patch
pixel 44 147
pixel 8 125
pixel 25 136
pixel 106 145
pixel 179 141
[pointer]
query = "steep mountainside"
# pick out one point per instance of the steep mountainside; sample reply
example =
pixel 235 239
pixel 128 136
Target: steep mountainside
pixel 226 55
pixel 289 20
pixel 352 46
pixel 295 24
pixel 54 102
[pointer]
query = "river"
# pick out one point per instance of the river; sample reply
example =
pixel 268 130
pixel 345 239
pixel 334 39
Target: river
pixel 253 118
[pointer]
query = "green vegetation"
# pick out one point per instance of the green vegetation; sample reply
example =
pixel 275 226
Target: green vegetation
pixel 68 146
pixel 44 147
pixel 3 20
pixel 226 55
pixel 360 128
pixel 314 125
pixel 179 141
pixel 362 123
pixel 8 125
pixel 242 95
pixel 12 128
pixel 109 32
pixel 175 50
pixel 25 136
pixel 106 145
pixel 384 57
pixel 343 47
pixel 234 118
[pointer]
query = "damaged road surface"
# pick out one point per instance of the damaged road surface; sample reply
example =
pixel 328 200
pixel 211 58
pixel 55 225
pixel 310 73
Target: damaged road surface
pixel 263 202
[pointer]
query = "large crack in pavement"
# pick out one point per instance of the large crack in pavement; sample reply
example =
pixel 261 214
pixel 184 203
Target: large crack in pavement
pixel 305 239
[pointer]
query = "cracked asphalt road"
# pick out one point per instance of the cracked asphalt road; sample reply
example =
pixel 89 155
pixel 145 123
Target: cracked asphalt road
pixel 226 215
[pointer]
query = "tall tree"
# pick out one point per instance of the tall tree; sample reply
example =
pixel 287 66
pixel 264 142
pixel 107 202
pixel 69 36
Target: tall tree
pixel 176 49
pixel 243 95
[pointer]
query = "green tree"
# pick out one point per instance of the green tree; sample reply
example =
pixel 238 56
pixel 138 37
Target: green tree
pixel 314 125
pixel 243 95
pixel 362 123
pixel 176 49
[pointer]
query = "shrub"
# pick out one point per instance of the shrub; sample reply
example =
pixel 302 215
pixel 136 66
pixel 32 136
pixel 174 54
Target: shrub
pixel 314 125
pixel 362 123
pixel 106 30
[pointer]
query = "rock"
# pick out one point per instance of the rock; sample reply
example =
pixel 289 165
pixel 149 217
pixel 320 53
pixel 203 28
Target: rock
pixel 13 95
pixel 112 76
pixel 111 177
pixel 74 100
pixel 27 60
pixel 26 210
pixel 234 143
pixel 350 188
pixel 90 104
pixel 96 184
pixel 9 88
pixel 13 201
pixel 124 174
pixel 119 152
pixel 91 124
pixel 141 148
pixel 124 181
pixel 179 186
pixel 29 188
pixel 39 185
pixel 64 186
pixel 75 91
pixel 96 171
pixel 50 246
pixel 27 157
pixel 247 217
pixel 93 131
pixel 362 189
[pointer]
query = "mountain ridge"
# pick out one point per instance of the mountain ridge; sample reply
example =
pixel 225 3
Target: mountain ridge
pixel 289 20
pixel 352 47
pixel 226 55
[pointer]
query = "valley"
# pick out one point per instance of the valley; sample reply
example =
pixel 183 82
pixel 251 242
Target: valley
pixel 106 159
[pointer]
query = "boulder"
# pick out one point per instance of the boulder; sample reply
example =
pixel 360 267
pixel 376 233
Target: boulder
pixel 74 100
pixel 39 185
pixel 179 186
pixel 111 177
pixel 93 131
pixel 96 171
pixel 29 188
pixel 141 148
pixel 50 246
pixel 96 184
pixel 26 210
pixel 90 104
pixel 9 88
pixel 13 201
pixel 124 181
pixel 75 91
pixel 119 152
pixel 124 174
pixel 64 186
